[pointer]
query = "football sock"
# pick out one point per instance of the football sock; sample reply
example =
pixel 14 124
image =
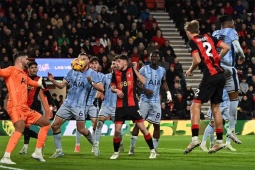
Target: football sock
pixel 155 142
pixel 148 139
pixel 78 137
pixel 57 140
pixel 25 146
pixel 116 144
pixel 42 135
pixel 208 131
pixel 38 150
pixel 7 155
pixel 13 141
pixel 233 114
pixel 228 141
pixel 93 134
pixel 212 138
pixel 133 141
pixel 27 134
pixel 219 134
pixel 98 131
pixel 121 136
pixel 194 131
pixel 89 138
pixel 33 134
pixel 26 137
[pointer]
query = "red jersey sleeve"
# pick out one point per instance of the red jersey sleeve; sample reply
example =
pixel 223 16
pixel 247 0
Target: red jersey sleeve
pixel 113 80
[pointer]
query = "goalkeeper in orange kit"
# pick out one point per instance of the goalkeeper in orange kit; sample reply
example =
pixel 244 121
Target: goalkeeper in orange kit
pixel 21 115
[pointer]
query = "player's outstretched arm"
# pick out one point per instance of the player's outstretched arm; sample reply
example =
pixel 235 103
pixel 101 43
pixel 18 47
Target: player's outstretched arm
pixel 5 72
pixel 147 92
pixel 225 48
pixel 140 77
pixel 195 63
pixel 238 48
pixel 98 86
pixel 33 83
pixel 59 85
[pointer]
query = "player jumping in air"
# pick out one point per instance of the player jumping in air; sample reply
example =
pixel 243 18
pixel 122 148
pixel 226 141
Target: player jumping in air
pixel 203 50
pixel 230 37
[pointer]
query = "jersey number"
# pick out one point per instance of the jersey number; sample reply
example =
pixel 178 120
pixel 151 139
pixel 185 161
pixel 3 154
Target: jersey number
pixel 208 48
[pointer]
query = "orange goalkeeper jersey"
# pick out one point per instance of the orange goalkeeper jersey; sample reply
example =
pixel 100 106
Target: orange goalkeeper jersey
pixel 17 82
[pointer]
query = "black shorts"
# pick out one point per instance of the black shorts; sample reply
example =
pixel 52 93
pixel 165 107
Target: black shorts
pixel 210 88
pixel 127 113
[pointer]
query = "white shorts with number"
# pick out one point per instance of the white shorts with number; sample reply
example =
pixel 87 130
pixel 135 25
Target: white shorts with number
pixel 151 112
pixel 224 112
pixel 66 112
pixel 232 81
pixel 107 111
pixel 92 111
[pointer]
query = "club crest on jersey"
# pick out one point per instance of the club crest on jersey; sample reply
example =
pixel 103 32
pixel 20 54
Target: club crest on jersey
pixel 155 82
pixel 23 81
pixel 78 84
pixel 129 75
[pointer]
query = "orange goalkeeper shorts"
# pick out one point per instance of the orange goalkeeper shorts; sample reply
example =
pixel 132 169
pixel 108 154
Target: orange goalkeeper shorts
pixel 26 114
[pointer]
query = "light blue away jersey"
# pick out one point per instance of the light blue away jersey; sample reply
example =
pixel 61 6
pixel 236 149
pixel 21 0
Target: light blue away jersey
pixel 153 82
pixel 225 98
pixel 228 35
pixel 79 87
pixel 110 98
pixel 93 92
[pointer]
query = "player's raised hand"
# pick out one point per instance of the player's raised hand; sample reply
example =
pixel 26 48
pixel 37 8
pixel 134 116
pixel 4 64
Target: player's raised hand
pixel 189 73
pixel 134 65
pixel 90 80
pixel 120 93
pixel 168 97
pixel 50 76
pixel 148 92
pixel 40 84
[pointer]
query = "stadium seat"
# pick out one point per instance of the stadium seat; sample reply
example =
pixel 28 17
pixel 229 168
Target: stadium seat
pixel 150 4
pixel 160 4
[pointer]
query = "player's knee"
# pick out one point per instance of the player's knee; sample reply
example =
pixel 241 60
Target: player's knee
pixel 20 126
pixel 47 127
pixel 54 127
pixel 143 129
pixel 117 133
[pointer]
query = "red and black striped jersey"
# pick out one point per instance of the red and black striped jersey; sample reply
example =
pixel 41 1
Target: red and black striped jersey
pixel 126 82
pixel 206 46
pixel 33 93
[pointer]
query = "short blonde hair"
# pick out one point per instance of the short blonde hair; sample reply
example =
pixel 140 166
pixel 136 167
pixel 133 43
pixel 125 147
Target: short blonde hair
pixel 192 27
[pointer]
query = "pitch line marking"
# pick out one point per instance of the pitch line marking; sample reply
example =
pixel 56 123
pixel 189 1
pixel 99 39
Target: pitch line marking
pixel 6 167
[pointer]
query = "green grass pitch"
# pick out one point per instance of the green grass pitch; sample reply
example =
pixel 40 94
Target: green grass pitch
pixel 170 149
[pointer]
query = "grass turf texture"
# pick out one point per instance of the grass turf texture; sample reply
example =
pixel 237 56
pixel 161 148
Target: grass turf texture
pixel 170 149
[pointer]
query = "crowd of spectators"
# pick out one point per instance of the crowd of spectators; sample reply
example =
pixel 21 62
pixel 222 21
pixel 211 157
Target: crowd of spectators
pixel 63 29
pixel 105 28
